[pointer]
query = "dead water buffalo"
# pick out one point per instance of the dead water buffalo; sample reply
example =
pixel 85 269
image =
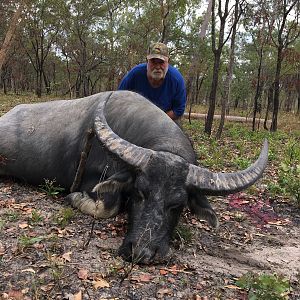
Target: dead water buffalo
pixel 139 159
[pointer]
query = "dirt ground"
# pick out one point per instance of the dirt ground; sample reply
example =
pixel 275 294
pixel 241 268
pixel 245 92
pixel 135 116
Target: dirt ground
pixel 40 258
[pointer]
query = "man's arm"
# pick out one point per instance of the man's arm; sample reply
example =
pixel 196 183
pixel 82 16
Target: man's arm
pixel 172 115
pixel 179 98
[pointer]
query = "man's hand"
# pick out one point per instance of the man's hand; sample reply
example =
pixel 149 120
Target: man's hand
pixel 171 114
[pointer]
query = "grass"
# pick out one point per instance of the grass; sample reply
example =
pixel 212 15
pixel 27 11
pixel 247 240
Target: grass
pixel 50 188
pixel 12 215
pixel 239 147
pixel 9 101
pixel 25 241
pixel 35 218
pixel 265 286
pixel 64 217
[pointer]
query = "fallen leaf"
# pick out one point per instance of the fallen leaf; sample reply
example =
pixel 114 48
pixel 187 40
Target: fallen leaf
pixel 171 280
pixel 25 291
pixel 163 272
pixel 100 283
pixel 275 223
pixel 82 274
pixel 174 270
pixel 23 225
pixel 67 256
pixel 161 293
pixel 15 295
pixel 231 286
pixel 77 296
pixel 2 249
pixel 47 288
pixel 145 277
pixel 30 270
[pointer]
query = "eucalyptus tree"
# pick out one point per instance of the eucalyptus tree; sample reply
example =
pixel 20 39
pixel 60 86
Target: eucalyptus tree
pixel 42 23
pixel 81 44
pixel 256 28
pixel 283 23
pixel 11 32
pixel 238 10
pixel 218 40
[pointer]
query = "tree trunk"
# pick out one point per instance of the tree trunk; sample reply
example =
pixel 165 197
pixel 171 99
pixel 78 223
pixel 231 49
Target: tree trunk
pixel 269 102
pixel 228 80
pixel 258 89
pixel 276 89
pixel 298 90
pixel 217 60
pixel 47 83
pixel 213 94
pixel 11 33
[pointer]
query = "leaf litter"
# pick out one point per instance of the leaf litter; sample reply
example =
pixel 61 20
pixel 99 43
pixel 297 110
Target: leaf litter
pixel 254 235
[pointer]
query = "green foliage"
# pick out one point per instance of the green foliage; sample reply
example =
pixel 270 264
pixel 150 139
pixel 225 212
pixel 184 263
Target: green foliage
pixel 183 233
pixel 240 147
pixel 50 189
pixel 289 171
pixel 26 241
pixel 64 217
pixel 12 215
pixel 264 286
pixel 242 163
pixel 2 224
pixel 36 217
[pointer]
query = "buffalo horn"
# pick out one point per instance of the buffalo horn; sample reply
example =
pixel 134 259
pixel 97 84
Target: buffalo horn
pixel 227 183
pixel 132 154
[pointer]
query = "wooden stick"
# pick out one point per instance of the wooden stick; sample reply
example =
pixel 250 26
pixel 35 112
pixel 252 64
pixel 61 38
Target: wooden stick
pixel 83 158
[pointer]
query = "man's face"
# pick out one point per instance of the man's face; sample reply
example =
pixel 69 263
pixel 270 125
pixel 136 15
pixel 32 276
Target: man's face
pixel 157 68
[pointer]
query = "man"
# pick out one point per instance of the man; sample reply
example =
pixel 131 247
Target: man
pixel 158 81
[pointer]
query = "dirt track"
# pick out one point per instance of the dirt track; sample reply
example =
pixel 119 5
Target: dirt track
pixel 228 118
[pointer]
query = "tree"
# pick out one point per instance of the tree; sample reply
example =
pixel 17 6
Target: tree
pixel 11 33
pixel 228 80
pixel 283 32
pixel 217 51
pixel 42 26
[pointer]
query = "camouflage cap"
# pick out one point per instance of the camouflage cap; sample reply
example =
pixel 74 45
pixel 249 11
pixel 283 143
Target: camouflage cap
pixel 158 50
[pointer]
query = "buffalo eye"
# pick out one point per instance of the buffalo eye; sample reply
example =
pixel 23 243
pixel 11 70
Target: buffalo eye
pixel 142 185
pixel 175 207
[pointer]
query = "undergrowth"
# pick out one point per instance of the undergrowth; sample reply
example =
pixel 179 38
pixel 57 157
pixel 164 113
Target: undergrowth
pixel 240 146
pixel 265 286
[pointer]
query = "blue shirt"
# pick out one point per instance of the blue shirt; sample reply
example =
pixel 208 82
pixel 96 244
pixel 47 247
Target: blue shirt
pixel 171 95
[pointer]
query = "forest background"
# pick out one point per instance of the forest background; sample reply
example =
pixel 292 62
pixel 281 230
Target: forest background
pixel 238 58
pixel 238 54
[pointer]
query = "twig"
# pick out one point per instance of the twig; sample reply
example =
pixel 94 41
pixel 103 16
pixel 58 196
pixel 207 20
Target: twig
pixel 90 235
pixel 175 270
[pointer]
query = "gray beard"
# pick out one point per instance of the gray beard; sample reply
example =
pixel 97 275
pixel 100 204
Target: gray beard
pixel 158 76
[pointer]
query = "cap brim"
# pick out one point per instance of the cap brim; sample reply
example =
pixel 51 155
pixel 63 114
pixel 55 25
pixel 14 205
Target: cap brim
pixel 159 56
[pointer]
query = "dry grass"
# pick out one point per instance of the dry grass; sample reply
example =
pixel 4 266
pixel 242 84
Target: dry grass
pixel 9 101
pixel 287 121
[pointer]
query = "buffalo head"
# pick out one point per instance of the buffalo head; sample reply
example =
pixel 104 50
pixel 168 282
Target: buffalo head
pixel 158 185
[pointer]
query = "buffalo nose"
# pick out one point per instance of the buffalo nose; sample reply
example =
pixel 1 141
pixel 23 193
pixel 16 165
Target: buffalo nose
pixel 132 252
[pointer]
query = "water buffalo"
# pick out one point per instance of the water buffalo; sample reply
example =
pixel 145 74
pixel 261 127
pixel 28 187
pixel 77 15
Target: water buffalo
pixel 139 159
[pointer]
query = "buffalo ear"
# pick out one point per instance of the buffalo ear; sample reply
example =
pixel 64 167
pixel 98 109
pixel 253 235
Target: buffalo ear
pixel 199 205
pixel 116 182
